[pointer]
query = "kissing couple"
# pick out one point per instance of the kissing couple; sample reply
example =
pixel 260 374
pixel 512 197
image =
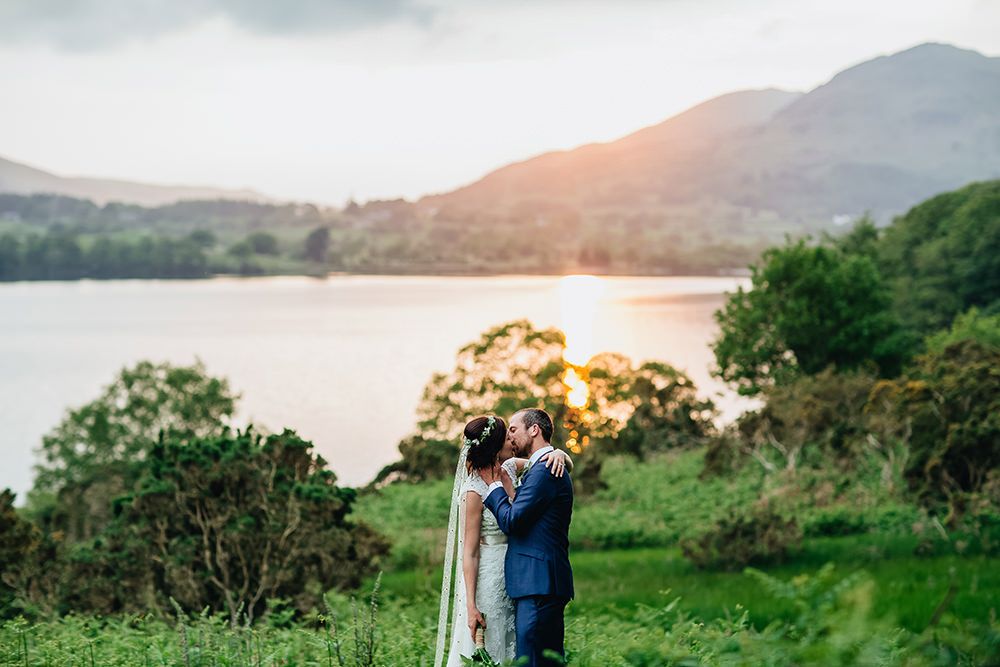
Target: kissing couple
pixel 508 542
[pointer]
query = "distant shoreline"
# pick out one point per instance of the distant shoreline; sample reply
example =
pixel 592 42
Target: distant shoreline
pixel 729 273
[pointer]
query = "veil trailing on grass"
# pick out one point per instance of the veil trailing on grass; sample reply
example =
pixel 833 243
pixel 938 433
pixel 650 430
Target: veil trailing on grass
pixel 452 559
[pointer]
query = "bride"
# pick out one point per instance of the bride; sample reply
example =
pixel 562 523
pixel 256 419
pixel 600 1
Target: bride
pixel 480 597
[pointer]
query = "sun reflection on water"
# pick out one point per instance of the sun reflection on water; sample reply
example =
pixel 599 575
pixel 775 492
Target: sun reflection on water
pixel 579 297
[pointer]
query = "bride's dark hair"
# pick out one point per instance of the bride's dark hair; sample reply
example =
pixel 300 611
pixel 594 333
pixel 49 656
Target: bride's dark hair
pixel 483 452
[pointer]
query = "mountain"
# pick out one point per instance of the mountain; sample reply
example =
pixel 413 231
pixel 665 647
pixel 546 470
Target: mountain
pixel 21 179
pixel 878 137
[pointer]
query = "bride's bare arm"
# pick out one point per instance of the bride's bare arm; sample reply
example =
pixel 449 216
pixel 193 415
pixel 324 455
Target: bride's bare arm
pixel 470 558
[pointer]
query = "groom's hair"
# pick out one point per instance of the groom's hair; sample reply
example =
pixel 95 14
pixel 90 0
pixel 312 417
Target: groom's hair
pixel 541 419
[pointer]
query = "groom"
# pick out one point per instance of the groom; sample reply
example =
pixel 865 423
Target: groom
pixel 538 573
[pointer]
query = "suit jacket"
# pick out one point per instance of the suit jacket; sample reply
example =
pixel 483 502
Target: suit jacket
pixel 537 528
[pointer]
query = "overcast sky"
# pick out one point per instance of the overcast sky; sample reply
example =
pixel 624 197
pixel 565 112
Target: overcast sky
pixel 322 100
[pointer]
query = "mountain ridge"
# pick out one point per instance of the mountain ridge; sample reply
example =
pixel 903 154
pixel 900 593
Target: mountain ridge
pixel 20 178
pixel 878 136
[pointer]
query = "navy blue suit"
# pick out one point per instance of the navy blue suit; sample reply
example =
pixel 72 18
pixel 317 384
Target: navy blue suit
pixel 537 570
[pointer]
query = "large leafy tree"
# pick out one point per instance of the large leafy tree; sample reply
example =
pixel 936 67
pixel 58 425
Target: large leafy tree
pixel 96 453
pixel 232 520
pixel 941 257
pixel 809 307
pixel 509 367
pixel 515 365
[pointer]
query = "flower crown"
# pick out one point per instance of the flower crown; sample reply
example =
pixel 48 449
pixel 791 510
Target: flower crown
pixel 490 423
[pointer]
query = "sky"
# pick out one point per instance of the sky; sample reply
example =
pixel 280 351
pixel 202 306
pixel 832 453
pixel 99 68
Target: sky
pixel 328 100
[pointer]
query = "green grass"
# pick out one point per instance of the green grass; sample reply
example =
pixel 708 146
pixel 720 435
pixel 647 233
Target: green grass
pixel 639 602
pixel 654 504
pixel 907 588
pixel 626 614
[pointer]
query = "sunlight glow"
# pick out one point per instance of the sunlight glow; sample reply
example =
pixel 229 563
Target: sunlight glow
pixel 578 301
pixel 578 391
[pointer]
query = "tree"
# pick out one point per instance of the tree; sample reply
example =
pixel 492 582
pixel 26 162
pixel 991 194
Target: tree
pixel 263 243
pixel 95 454
pixel 203 238
pixel 515 366
pixel 809 308
pixel 667 412
pixel 10 257
pixel 970 325
pixel 941 256
pixel 233 520
pixel 947 411
pixel 317 244
pixel 510 367
pixel 19 540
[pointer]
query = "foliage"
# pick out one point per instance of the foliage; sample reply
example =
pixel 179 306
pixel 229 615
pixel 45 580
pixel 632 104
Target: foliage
pixel 420 459
pixel 61 254
pixel 414 515
pixel 234 520
pixel 19 541
pixel 760 536
pixel 96 453
pixel 386 237
pixel 514 366
pixel 947 413
pixel 317 244
pixel 941 256
pixel 834 620
pixel 970 325
pixel 510 367
pixel 810 307
pixel 812 420
pixel 666 411
pixel 263 243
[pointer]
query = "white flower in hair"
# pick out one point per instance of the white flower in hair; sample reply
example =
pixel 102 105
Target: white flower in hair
pixel 490 423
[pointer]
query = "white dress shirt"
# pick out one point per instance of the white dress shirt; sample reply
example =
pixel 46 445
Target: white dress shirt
pixel 532 461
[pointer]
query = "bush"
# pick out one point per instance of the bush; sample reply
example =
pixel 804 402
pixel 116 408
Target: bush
pixel 810 421
pixel 970 325
pixel 947 412
pixel 763 536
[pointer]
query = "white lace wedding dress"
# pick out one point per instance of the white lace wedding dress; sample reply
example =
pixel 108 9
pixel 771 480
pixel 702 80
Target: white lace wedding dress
pixel 491 590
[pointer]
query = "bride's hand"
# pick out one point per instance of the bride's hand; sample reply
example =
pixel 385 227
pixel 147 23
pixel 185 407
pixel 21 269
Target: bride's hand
pixel 555 461
pixel 475 619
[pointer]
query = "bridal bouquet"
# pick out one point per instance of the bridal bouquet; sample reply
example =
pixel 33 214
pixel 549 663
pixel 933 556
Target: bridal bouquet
pixel 480 656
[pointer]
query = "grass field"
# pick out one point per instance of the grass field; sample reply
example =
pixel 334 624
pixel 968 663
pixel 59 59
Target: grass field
pixel 907 588
pixel 877 595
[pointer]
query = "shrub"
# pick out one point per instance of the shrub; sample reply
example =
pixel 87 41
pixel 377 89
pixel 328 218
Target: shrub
pixel 947 411
pixel 762 536
pixel 811 420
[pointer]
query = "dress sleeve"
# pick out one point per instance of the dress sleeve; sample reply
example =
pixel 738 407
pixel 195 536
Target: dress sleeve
pixel 510 465
pixel 475 483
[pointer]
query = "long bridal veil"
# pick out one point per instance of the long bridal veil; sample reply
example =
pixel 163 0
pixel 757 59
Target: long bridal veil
pixel 452 560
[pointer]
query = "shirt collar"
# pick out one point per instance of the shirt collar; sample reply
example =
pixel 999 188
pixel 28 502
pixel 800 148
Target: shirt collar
pixel 539 454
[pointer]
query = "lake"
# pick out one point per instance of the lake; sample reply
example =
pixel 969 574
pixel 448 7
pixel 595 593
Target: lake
pixel 342 360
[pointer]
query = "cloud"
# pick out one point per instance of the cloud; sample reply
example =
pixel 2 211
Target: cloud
pixel 96 24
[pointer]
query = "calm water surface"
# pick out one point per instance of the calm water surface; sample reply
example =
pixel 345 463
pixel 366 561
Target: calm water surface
pixel 342 360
